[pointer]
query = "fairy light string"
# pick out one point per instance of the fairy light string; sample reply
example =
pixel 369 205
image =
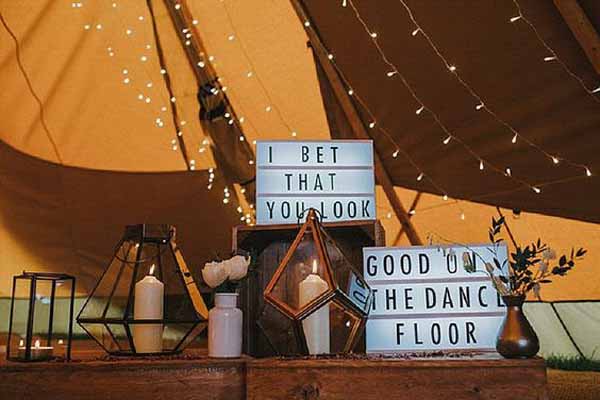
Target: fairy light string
pixel 480 103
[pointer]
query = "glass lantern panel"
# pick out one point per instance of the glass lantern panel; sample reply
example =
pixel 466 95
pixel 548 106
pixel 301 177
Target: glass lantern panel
pixel 20 312
pixel 177 303
pixel 192 336
pixel 303 277
pixel 102 335
pixel 119 336
pixel 174 334
pixel 61 316
pixel 109 297
pixel 278 331
pixel 330 329
pixel 347 277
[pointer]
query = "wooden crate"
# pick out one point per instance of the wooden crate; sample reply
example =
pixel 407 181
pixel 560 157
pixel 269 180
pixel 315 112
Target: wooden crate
pixel 485 377
pixel 139 379
pixel 271 244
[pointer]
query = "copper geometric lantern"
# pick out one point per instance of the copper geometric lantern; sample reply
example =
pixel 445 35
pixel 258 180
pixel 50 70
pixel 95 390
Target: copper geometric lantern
pixel 146 301
pixel 320 291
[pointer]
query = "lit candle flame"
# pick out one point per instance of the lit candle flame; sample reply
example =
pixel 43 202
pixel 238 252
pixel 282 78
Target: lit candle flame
pixel 37 344
pixel 21 343
pixel 152 269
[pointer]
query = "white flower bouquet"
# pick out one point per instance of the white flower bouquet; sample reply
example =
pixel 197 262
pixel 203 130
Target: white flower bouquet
pixel 225 276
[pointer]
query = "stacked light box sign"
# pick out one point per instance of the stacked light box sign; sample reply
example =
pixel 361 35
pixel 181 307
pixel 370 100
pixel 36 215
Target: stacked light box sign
pixel 334 177
pixel 424 300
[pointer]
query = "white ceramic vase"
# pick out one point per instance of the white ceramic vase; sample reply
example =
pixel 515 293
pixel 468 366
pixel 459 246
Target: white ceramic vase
pixel 225 327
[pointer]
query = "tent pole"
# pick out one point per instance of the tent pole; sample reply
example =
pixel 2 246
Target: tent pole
pixel 357 127
pixel 582 29
pixel 237 162
pixel 412 207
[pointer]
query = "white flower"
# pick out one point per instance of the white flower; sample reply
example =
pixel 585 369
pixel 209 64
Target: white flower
pixel 237 267
pixel 214 274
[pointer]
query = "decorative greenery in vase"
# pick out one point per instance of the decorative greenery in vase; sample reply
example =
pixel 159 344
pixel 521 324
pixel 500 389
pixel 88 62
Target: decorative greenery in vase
pixel 530 266
pixel 225 276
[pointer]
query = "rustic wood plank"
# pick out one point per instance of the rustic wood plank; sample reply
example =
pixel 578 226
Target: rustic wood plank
pixel 582 29
pixel 359 131
pixel 185 379
pixel 425 379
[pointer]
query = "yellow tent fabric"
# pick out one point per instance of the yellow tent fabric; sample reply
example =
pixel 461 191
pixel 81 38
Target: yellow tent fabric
pixel 119 165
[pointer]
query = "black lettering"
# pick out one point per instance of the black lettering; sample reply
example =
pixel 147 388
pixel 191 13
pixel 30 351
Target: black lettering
pixel 318 184
pixel 453 333
pixel 405 264
pixel 352 209
pixel 451 263
pixel 304 153
pixel 286 210
pixel 334 153
pixel 399 333
pixel 390 298
pixel 423 263
pixel 480 296
pixel 374 298
pixel 338 210
pixel 471 332
pixel 436 333
pixel 302 181
pixel 289 181
pixel 464 293
pixel 270 207
pixel 371 265
pixel 447 299
pixel 332 177
pixel 408 299
pixel 320 154
pixel 365 208
pixel 388 261
pixel 429 298
pixel 417 341
pixel 270 154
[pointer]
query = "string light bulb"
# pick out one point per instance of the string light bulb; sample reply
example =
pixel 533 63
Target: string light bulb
pixel 508 171
pixel 481 165
pixel 447 140
pixel 350 92
pixel 373 35
pixel 391 73
pixel 479 106
pixel 516 18
pixel 445 198
pixel 588 172
pixel 549 58
pixel 416 31
pixel 555 160
pixel 420 177
pixel 596 90
pixel 462 215
pixel 395 153
pixel 514 138
pixel 372 124
pixel 452 68
pixel 536 189
pixel 420 110
pixel 412 212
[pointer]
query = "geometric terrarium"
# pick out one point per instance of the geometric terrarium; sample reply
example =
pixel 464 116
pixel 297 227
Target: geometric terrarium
pixel 146 301
pixel 320 294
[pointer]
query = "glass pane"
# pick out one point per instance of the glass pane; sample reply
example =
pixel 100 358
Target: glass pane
pixel 330 329
pixel 114 283
pixel 19 318
pixel 193 336
pixel 102 336
pixel 119 336
pixel 278 331
pixel 303 278
pixel 347 278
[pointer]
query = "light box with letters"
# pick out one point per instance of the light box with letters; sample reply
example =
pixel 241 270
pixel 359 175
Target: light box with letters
pixel 425 300
pixel 334 177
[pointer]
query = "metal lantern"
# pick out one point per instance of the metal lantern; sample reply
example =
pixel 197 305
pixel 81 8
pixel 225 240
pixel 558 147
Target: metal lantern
pixel 318 290
pixel 41 317
pixel 146 301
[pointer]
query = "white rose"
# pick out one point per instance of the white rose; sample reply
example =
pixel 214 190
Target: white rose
pixel 238 267
pixel 214 274
pixel 549 254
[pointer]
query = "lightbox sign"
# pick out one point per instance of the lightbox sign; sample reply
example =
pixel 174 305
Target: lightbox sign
pixel 334 177
pixel 424 300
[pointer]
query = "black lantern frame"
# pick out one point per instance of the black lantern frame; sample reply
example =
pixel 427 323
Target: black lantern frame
pixel 347 297
pixel 40 341
pixel 108 314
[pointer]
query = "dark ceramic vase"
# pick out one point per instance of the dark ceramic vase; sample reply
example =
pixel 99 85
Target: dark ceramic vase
pixel 517 338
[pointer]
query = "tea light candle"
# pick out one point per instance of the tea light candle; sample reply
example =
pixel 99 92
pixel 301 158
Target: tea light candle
pixel 148 304
pixel 316 326
pixel 37 352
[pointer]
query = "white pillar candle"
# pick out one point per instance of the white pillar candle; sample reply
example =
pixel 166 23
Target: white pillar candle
pixel 316 326
pixel 148 304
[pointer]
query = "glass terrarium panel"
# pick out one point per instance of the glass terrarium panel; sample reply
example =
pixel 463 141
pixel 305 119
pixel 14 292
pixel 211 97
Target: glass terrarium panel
pixel 177 303
pixel 119 336
pixel 278 331
pixel 346 277
pixel 113 285
pixel 43 307
pixel 329 329
pixel 146 265
pixel 102 335
pixel 192 336
pixel 174 334
pixel 303 278
pixel 19 316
